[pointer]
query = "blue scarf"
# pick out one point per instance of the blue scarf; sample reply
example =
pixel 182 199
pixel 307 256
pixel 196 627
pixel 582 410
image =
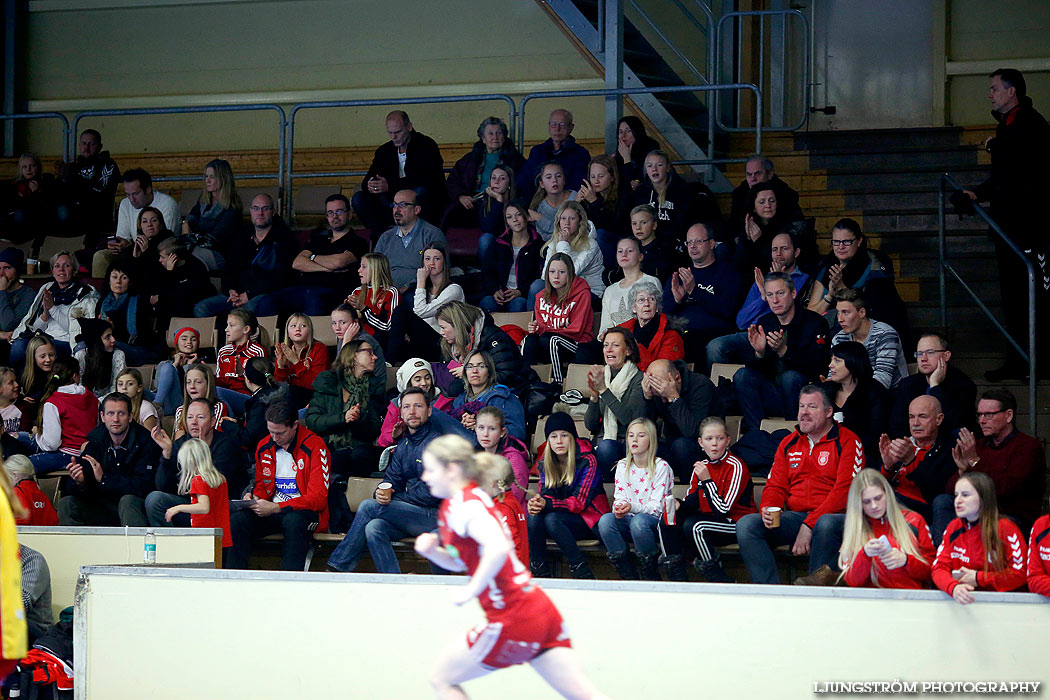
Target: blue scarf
pixel 126 304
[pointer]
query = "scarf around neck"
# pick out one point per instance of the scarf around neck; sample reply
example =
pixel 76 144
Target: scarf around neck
pixel 618 386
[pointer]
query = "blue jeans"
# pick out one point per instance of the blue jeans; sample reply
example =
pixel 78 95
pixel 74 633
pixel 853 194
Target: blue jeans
pixel 17 357
pixel 158 502
pixel 234 399
pixel 609 452
pixel 761 397
pixel 564 528
pixel 44 462
pixel 262 305
pixel 485 242
pixel 376 525
pixel 169 387
pixel 735 348
pixel 534 289
pixel 757 542
pixel 640 527
pixel 490 304
pixel 943 513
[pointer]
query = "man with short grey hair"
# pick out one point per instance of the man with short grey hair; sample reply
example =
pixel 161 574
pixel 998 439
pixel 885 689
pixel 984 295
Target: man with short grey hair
pixel 759 169
pixel 561 148
pixel 403 245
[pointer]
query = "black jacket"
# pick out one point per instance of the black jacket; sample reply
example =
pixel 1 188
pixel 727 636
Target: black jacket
pixel 957 394
pixel 685 204
pixel 931 476
pixel 180 289
pixel 127 469
pixel 866 413
pixel 226 454
pixel 261 268
pixel 424 167
pixel 787 201
pixel 808 346
pixel 500 256
pixel 698 399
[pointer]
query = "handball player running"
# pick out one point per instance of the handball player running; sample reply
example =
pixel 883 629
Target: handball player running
pixel 522 625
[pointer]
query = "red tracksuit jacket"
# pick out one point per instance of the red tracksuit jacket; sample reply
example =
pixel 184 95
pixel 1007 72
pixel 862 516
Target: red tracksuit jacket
pixel 229 365
pixel 41 512
pixel 377 312
pixel 1039 557
pixel 814 480
pixel 962 546
pixel 914 573
pixel 313 463
pixel 729 491
pixel 305 371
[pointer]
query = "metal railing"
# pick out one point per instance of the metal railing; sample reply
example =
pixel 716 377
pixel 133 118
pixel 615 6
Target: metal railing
pixel 762 14
pixel 648 91
pixel 946 268
pixel 66 131
pixel 146 111
pixel 289 170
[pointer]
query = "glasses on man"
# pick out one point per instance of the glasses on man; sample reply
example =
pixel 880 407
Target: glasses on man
pixel 919 354
pixel 843 243
pixel 989 414
pixel 264 208
pixel 336 212
pixel 402 205
pixel 558 125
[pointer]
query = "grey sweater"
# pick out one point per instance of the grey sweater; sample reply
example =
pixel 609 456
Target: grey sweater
pixel 631 406
pixel 14 306
pixel 406 254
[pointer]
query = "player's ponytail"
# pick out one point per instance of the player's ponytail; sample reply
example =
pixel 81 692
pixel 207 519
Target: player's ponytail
pixel 452 449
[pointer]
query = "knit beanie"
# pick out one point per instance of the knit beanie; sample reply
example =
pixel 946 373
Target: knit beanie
pixel 91 329
pixel 191 329
pixel 13 257
pixel 406 371
pixel 560 421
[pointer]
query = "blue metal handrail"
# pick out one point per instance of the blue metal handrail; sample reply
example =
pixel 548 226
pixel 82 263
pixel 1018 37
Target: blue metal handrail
pixel 604 92
pixel 132 112
pixel 946 267
pixel 47 115
pixel 393 101
pixel 762 14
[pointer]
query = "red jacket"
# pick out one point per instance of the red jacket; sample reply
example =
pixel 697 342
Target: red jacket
pixel 313 463
pixel 512 514
pixel 814 480
pixel 376 314
pixel 573 319
pixel 41 512
pixel 229 366
pixel 305 371
pixel 914 573
pixel 667 344
pixel 962 546
pixel 729 491
pixel 1039 557
pixel 78 414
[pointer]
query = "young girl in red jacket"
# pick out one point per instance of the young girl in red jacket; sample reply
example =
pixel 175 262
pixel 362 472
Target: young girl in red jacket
pixel 300 358
pixel 1039 557
pixel 980 550
pixel 241 325
pixel 720 493
pixel 377 297
pixel 39 510
pixel 68 412
pixel 209 504
pixel 883 546
pixel 563 318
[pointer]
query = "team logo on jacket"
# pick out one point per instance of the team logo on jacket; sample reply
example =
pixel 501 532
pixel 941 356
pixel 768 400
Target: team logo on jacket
pixel 822 459
pixel 266 471
pixel 300 465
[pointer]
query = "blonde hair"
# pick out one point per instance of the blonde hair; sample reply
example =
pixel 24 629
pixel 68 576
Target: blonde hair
pixel 497 474
pixel 556 472
pixel 226 197
pixel 299 316
pixel 19 468
pixel 29 373
pixel 857 531
pixel 379 266
pixel 195 458
pixel 581 239
pixel 462 317
pixel 212 395
pixel 453 449
pixel 650 454
pixel 136 401
pixel 17 509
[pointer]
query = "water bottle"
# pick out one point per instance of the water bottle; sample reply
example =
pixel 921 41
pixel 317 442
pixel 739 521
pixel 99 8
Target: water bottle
pixel 149 552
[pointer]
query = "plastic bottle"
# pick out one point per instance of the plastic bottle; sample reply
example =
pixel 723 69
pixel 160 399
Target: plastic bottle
pixel 149 552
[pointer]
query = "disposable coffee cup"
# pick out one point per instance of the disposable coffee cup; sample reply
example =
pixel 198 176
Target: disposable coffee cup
pixel 774 514
pixel 31 266
pixel 669 510
pixel 385 487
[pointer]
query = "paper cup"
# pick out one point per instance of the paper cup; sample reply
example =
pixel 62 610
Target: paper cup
pixel 669 510
pixel 385 487
pixel 774 513
pixel 31 266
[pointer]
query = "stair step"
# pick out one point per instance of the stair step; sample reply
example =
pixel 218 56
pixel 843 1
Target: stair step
pixel 919 180
pixel 879 139
pixel 890 162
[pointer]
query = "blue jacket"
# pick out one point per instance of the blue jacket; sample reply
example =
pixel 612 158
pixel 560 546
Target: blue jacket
pixel 406 462
pixel 502 398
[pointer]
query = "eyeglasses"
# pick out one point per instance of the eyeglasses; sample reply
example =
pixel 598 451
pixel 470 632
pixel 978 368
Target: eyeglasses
pixel 402 205
pixel 266 208
pixel 919 354
pixel 989 414
pixel 843 243
pixel 558 125
pixel 698 242
pixel 474 366
pixel 336 212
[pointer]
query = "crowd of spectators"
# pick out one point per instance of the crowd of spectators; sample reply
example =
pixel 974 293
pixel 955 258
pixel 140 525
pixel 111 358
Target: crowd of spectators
pixel 628 268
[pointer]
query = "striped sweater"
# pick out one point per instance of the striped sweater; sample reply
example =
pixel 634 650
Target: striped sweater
pixel 885 352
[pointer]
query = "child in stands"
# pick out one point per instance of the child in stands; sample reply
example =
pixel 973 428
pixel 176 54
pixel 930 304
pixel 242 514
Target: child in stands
pixel 562 319
pixel 241 326
pixel 883 545
pixel 143 411
pixel 101 362
pixel 499 479
pixel 656 260
pixel 550 195
pixel 171 374
pixel 68 412
pixel 377 297
pixel 37 506
pixel 720 493
pixel 209 504
pixel 980 550
pixel 10 413
pixel 643 481
pixel 490 431
pixel 200 383
pixel 1039 557
pixel 300 358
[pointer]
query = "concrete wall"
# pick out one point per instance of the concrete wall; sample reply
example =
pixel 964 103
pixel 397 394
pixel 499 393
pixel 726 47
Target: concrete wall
pixel 278 635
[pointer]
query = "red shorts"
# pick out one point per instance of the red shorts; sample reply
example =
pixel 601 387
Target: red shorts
pixel 519 635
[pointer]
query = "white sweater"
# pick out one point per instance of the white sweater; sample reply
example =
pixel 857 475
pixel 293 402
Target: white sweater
pixel 644 494
pixel 427 310
pixel 587 262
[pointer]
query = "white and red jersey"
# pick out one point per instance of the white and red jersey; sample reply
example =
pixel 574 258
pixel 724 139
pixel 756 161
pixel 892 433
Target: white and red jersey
pixel 962 547
pixel 728 491
pixel 1039 557
pixel 512 583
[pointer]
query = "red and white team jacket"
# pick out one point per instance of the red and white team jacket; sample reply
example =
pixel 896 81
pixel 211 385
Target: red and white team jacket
pixel 868 572
pixel 377 312
pixel 229 365
pixel 512 514
pixel 313 462
pixel 1039 557
pixel 729 490
pixel 573 319
pixel 962 547
pixel 513 582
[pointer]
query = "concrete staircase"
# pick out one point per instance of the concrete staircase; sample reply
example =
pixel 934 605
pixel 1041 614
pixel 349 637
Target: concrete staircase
pixel 887 180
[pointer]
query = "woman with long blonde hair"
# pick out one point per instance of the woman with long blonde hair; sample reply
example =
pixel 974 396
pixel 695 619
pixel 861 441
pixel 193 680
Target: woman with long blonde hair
pixel 216 216
pixel 377 297
pixel 575 236
pixel 883 545
pixel 300 359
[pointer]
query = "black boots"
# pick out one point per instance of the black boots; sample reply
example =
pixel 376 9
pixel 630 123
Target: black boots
pixel 712 571
pixel 649 566
pixel 581 570
pixel 674 564
pixel 540 569
pixel 625 568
